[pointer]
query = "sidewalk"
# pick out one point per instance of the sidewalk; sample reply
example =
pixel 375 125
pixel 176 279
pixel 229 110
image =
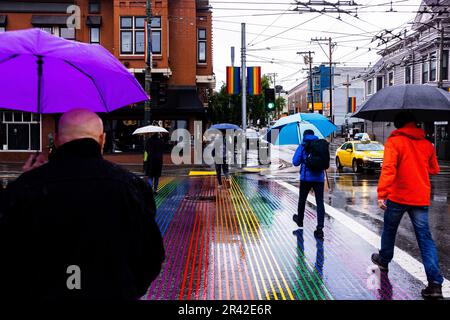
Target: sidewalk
pixel 241 243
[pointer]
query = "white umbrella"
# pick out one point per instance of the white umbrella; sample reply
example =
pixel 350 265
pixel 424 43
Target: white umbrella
pixel 150 129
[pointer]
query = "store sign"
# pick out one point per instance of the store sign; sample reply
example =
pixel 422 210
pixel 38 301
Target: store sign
pixel 440 123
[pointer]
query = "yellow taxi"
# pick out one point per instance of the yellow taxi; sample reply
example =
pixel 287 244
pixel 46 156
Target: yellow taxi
pixel 360 155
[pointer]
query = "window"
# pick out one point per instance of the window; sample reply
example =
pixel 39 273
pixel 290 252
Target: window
pixel 425 70
pixel 369 87
pixel 201 45
pixel 408 73
pixel 47 29
pixel 20 131
pixel 156 35
pixel 445 65
pixel 316 81
pixel 94 7
pixel 67 33
pixel 368 147
pixel 391 78
pixel 94 35
pixel 433 67
pixel 379 83
pixel 132 35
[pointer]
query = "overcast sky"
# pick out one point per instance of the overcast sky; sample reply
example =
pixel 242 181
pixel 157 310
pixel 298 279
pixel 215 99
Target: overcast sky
pixel 275 33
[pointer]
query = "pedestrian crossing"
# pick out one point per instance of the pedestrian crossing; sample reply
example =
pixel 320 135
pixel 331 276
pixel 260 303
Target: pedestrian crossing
pixel 241 244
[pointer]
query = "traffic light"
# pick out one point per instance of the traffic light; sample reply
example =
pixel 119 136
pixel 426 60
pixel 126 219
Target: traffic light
pixel 269 97
pixel 162 94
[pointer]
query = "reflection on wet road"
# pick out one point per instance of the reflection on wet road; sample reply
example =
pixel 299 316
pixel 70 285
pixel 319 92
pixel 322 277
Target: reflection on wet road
pixel 356 195
pixel 241 243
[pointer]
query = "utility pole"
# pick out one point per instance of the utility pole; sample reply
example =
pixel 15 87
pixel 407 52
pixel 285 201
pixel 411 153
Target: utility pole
pixel 347 84
pixel 148 69
pixel 330 58
pixel 244 79
pixel 309 58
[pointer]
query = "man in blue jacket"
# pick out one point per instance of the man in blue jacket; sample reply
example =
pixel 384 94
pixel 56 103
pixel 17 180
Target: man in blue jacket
pixel 309 179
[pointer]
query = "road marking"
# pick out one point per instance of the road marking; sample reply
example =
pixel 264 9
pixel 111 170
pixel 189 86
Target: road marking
pixel 401 257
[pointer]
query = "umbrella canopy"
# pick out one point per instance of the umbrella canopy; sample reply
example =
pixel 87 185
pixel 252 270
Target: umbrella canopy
pixel 426 102
pixel 150 129
pixel 42 73
pixel 289 130
pixel 225 126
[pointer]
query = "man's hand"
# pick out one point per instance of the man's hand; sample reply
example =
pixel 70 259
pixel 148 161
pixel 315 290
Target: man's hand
pixel 382 204
pixel 33 162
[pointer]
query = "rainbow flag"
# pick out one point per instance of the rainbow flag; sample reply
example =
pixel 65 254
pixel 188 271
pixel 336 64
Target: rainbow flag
pixel 254 80
pixel 233 80
pixel 351 104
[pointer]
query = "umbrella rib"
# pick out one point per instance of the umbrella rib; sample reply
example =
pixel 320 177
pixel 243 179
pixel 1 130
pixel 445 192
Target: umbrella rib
pixel 92 79
pixel 9 58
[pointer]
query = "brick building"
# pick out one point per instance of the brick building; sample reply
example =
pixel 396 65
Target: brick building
pixel 297 98
pixel 182 73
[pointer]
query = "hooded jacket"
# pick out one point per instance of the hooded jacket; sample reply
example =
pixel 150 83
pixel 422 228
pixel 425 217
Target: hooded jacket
pixel 409 160
pixel 300 159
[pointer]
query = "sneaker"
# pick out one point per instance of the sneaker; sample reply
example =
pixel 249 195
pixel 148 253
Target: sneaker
pixel 295 218
pixel 377 260
pixel 433 291
pixel 319 234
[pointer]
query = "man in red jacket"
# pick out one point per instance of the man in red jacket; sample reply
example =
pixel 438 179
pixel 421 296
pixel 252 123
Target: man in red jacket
pixel 404 186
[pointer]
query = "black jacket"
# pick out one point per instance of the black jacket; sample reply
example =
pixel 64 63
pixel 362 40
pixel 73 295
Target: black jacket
pixel 78 209
pixel 154 147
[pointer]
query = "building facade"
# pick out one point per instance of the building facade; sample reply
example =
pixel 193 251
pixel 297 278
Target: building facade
pixel 418 56
pixel 182 70
pixel 297 98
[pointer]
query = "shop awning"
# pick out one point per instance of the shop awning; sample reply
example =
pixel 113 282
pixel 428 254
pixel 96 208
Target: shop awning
pixel 184 100
pixel 94 21
pixel 49 20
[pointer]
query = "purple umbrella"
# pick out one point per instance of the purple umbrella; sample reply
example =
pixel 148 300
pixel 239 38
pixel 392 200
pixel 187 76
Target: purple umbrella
pixel 42 73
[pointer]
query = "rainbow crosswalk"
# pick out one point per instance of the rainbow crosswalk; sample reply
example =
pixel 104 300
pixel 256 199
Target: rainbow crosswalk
pixel 241 243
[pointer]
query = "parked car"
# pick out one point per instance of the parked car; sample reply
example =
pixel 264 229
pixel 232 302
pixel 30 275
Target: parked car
pixel 360 155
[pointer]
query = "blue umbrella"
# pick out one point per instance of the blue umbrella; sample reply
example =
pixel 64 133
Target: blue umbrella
pixel 225 126
pixel 289 130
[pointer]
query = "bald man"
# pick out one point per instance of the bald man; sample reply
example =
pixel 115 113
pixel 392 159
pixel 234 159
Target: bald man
pixel 78 227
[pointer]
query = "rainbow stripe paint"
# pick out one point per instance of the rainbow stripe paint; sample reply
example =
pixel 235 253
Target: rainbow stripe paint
pixel 238 243
pixel 233 80
pixel 254 80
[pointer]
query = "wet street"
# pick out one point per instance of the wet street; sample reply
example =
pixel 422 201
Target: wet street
pixel 241 243
pixel 355 194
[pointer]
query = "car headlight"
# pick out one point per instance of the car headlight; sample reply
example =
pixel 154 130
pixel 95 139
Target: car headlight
pixel 365 158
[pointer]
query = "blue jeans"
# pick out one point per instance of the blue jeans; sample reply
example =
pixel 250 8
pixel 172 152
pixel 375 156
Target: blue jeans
pixel 419 218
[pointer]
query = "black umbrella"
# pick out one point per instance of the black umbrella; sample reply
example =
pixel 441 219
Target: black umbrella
pixel 426 102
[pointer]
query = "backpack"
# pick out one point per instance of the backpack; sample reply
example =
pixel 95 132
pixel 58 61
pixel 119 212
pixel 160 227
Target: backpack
pixel 317 155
